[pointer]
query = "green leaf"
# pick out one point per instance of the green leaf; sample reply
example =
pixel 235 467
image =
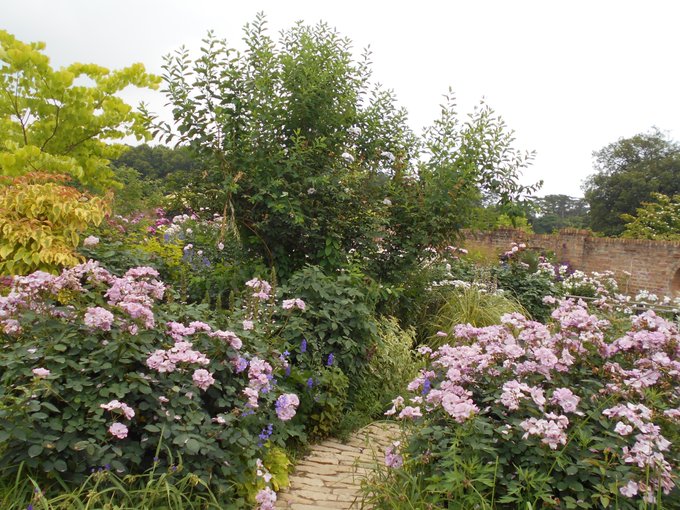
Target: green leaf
pixel 35 450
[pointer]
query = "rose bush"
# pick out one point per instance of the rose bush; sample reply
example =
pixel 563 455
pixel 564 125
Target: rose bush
pixel 103 370
pixel 560 415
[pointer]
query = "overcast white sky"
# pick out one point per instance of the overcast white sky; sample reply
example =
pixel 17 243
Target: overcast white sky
pixel 568 77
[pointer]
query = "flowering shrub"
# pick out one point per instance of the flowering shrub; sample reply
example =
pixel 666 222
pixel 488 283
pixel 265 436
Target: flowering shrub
pixel 41 220
pixel 98 371
pixel 558 416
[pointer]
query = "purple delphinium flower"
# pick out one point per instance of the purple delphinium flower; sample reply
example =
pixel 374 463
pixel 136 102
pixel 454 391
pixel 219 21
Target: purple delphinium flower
pixel 266 433
pixel 310 382
pixel 303 345
pixel 330 360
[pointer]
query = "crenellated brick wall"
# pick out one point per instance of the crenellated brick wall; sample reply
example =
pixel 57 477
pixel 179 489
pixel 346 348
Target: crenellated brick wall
pixel 653 265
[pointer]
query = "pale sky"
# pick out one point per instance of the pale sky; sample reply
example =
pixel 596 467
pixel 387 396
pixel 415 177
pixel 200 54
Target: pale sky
pixel 567 77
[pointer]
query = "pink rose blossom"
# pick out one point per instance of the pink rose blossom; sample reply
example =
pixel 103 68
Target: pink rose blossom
pixel 41 372
pixel 203 379
pixel 98 318
pixel 118 430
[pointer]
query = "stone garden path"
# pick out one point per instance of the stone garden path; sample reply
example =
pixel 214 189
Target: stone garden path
pixel 330 476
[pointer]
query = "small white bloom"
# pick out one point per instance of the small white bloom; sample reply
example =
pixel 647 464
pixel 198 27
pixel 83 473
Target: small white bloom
pixel 311 191
pixel 90 241
pixel 220 246
pixel 387 202
pixel 388 155
pixel 347 157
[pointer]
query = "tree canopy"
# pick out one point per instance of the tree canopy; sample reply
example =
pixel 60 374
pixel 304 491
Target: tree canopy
pixel 63 121
pixel 309 160
pixel 553 212
pixel 629 171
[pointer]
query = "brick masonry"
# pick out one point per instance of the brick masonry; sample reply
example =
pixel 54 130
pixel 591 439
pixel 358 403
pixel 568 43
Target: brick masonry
pixel 653 265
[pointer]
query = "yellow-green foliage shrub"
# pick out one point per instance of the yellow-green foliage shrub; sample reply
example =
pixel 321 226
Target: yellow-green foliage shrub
pixel 41 220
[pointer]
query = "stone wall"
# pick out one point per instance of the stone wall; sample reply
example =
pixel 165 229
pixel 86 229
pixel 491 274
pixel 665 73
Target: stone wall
pixel 652 265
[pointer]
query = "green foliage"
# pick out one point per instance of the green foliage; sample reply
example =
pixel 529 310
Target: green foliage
pixel 521 278
pixel 157 488
pixel 554 212
pixel 628 172
pixel 41 222
pixel 272 126
pixel 136 194
pixel 655 220
pixel 390 367
pixel 338 318
pixel 329 397
pixel 50 121
pixel 311 162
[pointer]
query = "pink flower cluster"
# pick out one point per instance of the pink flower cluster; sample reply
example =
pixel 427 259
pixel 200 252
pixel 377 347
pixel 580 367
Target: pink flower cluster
pixel 99 318
pixel 167 360
pixel 134 293
pixel 286 406
pixel 261 288
pixel 266 497
pixel 525 362
pixel 203 379
pixel 259 380
pixel 116 429
pixel 393 459
pixel 646 452
pixel 288 304
pixel 41 372
pixel 127 411
pixel 551 430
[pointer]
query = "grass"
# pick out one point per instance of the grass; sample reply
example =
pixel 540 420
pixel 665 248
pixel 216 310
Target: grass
pixel 474 306
pixel 105 490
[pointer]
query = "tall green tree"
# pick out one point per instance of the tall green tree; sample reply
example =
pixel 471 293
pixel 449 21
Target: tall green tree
pixel 553 212
pixel 309 160
pixel 628 172
pixel 67 120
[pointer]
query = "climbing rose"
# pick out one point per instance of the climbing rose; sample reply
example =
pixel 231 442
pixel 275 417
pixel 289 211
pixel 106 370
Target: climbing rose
pixel 293 303
pixel 115 404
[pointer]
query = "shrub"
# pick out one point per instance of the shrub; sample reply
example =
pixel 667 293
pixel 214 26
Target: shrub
pixel 338 320
pixel 528 277
pixel 389 367
pixel 41 221
pixel 98 371
pixel 548 416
